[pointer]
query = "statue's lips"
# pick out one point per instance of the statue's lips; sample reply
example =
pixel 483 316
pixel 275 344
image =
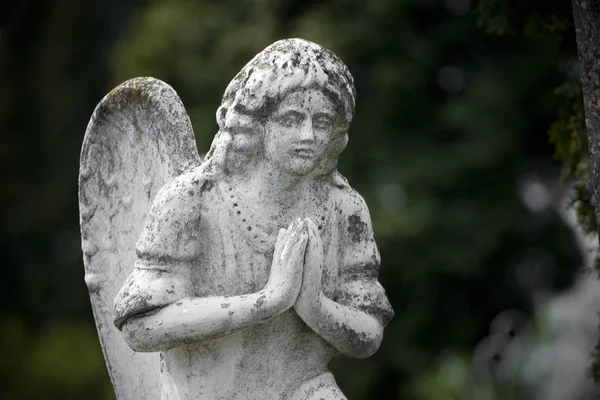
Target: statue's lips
pixel 304 152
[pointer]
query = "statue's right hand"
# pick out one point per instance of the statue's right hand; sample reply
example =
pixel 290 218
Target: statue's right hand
pixel 288 261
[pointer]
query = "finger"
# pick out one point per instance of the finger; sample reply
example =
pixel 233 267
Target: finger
pixel 311 248
pixel 314 257
pixel 315 236
pixel 299 226
pixel 311 226
pixel 289 234
pixel 291 239
pixel 300 255
pixel 299 241
pixel 280 237
pixel 293 234
pixel 298 250
pixel 280 234
pixel 289 231
pixel 293 225
pixel 279 243
pixel 301 238
pixel 295 242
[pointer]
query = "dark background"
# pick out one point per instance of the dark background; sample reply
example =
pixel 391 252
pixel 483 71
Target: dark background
pixel 449 147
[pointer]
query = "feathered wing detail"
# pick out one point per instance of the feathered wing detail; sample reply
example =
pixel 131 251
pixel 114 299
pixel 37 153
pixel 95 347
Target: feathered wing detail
pixel 138 139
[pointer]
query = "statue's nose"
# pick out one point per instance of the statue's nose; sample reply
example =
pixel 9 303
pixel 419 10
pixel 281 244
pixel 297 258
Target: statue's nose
pixel 307 133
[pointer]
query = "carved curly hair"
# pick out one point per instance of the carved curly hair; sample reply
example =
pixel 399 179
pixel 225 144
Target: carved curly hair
pixel 251 96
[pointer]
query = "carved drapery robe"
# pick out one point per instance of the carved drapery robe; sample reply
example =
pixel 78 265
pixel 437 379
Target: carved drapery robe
pixel 199 241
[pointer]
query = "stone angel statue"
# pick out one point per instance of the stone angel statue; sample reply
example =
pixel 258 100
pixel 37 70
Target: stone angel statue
pixel 242 275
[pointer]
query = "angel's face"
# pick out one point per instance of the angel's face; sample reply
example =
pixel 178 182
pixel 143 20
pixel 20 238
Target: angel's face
pixel 298 131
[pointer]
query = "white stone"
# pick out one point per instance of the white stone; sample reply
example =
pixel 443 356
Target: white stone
pixel 253 268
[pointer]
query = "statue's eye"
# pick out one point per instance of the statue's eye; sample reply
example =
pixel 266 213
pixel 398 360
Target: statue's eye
pixel 290 119
pixel 322 123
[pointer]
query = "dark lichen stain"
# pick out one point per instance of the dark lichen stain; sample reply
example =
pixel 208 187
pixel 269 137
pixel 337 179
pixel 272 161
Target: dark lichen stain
pixel 225 305
pixel 207 186
pixel 260 301
pixel 357 228
pixel 165 259
pixel 103 111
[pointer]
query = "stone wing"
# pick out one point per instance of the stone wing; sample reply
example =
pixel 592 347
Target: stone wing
pixel 138 139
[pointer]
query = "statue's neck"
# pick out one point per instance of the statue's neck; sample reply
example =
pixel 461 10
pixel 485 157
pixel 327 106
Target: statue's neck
pixel 273 188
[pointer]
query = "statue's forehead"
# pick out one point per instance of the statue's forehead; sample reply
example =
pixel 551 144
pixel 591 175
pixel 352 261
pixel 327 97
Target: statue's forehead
pixel 311 100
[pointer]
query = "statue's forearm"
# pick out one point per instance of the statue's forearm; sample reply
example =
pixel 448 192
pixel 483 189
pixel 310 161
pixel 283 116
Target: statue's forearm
pixel 352 332
pixel 193 319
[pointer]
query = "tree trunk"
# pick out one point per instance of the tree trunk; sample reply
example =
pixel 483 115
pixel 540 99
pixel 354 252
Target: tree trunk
pixel 587 28
pixel 586 14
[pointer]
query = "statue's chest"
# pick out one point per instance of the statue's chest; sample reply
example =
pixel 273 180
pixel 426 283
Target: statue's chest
pixel 236 251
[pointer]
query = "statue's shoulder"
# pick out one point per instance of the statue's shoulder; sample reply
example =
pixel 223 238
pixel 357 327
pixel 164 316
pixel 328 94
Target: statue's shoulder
pixel 353 216
pixel 184 194
pixel 347 201
pixel 172 227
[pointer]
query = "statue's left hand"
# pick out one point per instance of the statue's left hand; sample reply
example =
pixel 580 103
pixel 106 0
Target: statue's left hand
pixel 362 332
pixel 310 290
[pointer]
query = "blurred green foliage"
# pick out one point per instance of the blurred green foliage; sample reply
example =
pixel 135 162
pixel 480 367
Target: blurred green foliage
pixel 550 23
pixel 450 125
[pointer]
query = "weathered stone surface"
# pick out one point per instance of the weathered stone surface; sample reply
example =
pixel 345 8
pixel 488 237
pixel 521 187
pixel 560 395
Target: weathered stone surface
pixel 138 139
pixel 254 268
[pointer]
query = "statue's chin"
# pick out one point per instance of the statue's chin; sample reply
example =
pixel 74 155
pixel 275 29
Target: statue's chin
pixel 300 169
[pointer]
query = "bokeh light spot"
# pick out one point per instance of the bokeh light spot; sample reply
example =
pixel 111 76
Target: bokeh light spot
pixel 457 7
pixel 393 197
pixel 535 195
pixel 450 79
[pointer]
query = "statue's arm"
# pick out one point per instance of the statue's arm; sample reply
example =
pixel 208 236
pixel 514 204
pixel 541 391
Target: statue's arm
pixel 193 319
pixel 189 319
pixel 157 308
pixel 351 330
